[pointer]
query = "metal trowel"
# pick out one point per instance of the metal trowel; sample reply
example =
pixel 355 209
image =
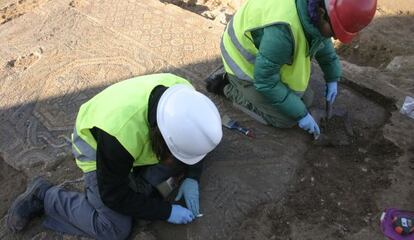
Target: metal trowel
pixel 324 121
pixel 321 138
pixel 232 124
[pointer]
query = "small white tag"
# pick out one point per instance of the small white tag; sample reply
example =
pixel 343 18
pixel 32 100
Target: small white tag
pixel 404 222
pixel 382 216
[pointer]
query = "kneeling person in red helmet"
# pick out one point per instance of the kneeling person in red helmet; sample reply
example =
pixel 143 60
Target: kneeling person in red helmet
pixel 267 50
pixel 127 140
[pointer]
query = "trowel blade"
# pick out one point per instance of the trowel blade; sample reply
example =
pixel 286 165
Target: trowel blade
pixel 227 122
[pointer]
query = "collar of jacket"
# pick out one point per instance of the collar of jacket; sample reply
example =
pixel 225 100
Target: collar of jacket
pixel 153 100
pixel 313 36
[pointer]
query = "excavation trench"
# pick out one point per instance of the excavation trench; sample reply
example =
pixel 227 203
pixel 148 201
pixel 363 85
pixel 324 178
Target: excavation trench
pixel 335 187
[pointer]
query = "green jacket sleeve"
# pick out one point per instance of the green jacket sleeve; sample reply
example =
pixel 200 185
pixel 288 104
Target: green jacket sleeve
pixel 329 61
pixel 275 46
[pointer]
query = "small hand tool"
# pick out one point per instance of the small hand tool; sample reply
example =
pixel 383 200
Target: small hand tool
pixel 232 124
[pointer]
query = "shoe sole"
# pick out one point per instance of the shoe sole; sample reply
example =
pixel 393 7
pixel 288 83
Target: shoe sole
pixel 18 201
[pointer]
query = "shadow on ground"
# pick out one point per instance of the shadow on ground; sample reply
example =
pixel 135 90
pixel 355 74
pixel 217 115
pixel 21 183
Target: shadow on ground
pixel 256 187
pixel 239 175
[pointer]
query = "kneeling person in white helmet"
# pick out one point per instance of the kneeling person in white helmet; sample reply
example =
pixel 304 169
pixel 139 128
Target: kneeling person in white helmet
pixel 128 140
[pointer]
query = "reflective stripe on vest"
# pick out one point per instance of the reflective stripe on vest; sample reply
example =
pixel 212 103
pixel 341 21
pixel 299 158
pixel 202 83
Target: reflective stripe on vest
pixel 251 58
pixel 232 64
pixel 238 49
pixel 81 150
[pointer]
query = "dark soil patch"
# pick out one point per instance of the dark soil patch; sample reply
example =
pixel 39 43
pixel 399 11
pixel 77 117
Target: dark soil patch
pixel 386 37
pixel 336 131
pixel 336 186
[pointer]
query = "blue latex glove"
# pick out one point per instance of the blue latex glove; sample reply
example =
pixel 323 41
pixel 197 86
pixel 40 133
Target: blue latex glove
pixel 331 91
pixel 180 215
pixel 189 188
pixel 309 124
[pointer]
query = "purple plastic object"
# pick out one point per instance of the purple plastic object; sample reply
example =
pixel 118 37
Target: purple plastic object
pixel 387 226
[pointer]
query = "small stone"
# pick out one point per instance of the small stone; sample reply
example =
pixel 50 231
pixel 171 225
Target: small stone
pixel 209 15
pixel 40 236
pixel 362 150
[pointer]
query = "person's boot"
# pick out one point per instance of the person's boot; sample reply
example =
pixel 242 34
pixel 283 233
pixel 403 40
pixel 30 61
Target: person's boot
pixel 28 204
pixel 216 82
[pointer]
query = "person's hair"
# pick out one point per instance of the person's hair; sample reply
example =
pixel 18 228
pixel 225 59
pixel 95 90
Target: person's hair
pixel 313 6
pixel 158 144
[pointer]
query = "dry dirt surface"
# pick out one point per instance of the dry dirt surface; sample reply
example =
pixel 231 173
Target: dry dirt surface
pixel 17 9
pixel 390 35
pixel 11 182
pixel 336 186
pixel 335 192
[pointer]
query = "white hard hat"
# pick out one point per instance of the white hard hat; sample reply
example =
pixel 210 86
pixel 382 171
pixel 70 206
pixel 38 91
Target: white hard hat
pixel 189 123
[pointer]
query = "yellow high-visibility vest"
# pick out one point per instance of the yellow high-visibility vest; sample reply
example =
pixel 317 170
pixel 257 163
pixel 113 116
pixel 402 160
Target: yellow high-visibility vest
pixel 120 110
pixel 239 52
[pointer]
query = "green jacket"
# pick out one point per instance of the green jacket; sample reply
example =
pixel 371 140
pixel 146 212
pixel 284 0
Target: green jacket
pixel 275 44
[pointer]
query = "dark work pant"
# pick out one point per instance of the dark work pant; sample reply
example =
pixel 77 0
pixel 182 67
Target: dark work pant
pixel 244 93
pixel 85 214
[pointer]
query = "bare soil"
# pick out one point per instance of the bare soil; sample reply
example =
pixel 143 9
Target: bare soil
pixel 12 183
pixel 15 10
pixel 337 185
pixel 387 37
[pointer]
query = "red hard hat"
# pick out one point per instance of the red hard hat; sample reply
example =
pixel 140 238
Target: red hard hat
pixel 348 17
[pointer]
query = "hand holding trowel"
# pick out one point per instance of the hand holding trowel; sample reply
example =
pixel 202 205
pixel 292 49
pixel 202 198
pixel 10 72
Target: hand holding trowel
pixel 328 115
pixel 232 124
pixel 335 124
